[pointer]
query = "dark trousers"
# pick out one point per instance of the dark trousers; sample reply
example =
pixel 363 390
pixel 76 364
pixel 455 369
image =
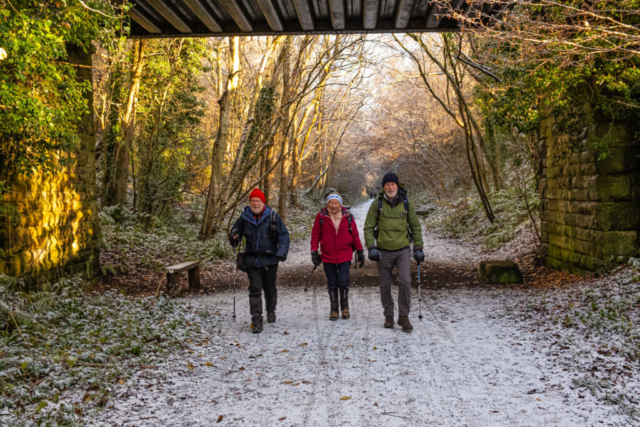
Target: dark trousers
pixel 337 275
pixel 259 279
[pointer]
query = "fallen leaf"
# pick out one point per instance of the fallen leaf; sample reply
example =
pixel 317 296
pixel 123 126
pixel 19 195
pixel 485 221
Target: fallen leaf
pixel 241 368
pixel 345 398
pixel 281 419
pixel 302 344
pixel 539 400
pixel 189 341
pixel 375 348
pixel 220 418
pixel 375 404
pixel 209 364
pixel 190 366
pixel 295 385
pixel 285 351
pixel 121 381
pixel 286 333
pixel 287 382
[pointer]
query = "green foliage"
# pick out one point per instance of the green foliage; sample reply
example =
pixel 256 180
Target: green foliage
pixel 587 63
pixel 40 99
pixel 466 218
pixel 169 109
pixel 69 340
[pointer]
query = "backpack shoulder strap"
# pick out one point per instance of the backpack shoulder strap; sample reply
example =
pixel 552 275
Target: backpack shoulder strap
pixel 406 207
pixel 379 206
pixel 350 220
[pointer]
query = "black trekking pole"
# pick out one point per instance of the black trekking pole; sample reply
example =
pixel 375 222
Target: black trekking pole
pixel 419 296
pixel 308 282
pixel 235 273
pixel 355 264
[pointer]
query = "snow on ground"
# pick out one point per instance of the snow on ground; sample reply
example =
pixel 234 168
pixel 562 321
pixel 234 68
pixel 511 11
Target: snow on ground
pixel 464 364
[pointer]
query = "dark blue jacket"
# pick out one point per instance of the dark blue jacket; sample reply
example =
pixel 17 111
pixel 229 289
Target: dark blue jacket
pixel 261 250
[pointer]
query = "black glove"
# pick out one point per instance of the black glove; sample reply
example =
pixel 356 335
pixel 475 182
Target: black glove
pixel 418 255
pixel 281 258
pixel 315 258
pixel 374 254
pixel 360 253
pixel 234 238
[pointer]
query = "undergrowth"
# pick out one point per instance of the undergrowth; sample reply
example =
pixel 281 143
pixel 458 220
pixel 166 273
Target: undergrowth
pixel 466 218
pixel 153 243
pixel 64 351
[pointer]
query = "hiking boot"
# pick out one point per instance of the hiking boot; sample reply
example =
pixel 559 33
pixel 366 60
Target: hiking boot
pixel 404 322
pixel 344 302
pixel 333 297
pixel 388 322
pixel 271 317
pixel 256 325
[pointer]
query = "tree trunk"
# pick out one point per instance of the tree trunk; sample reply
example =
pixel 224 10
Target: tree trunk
pixel 220 146
pixel 121 131
pixel 284 134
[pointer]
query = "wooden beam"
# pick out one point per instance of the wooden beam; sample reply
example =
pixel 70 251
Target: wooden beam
pixel 170 15
pixel 271 14
pixel 370 14
pixel 336 8
pixel 304 14
pixel 403 13
pixel 143 21
pixel 434 17
pixel 203 14
pixel 238 16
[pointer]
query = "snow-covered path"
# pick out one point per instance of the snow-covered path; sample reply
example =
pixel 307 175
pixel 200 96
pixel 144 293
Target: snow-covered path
pixel 464 364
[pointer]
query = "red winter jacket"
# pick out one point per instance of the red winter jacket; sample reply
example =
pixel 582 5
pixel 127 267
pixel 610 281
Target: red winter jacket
pixel 335 248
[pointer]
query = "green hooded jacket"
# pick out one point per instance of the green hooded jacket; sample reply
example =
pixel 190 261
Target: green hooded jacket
pixel 393 234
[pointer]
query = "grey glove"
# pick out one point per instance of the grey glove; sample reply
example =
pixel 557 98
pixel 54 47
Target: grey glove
pixel 374 254
pixel 418 255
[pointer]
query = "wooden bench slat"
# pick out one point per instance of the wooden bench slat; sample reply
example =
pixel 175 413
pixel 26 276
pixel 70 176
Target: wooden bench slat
pixel 178 268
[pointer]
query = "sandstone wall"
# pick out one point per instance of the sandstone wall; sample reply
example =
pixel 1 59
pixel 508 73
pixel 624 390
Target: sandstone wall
pixel 590 208
pixel 58 229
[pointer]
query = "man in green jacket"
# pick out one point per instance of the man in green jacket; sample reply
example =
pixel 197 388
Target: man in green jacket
pixel 390 228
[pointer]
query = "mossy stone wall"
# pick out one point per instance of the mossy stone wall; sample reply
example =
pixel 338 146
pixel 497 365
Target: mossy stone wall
pixel 58 230
pixel 590 208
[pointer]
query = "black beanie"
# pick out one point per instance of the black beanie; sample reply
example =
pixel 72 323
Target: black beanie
pixel 390 177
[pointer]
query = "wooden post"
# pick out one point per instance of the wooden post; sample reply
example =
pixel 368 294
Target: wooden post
pixel 194 278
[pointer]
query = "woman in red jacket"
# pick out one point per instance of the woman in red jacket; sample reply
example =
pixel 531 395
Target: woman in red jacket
pixel 335 231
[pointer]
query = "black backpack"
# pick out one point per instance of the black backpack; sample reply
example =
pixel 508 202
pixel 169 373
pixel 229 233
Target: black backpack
pixel 405 201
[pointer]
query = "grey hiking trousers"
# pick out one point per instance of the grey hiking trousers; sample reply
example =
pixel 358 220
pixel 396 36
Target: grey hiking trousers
pixel 402 260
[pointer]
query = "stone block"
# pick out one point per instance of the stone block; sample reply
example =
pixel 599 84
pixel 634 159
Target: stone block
pixel 617 216
pixel 619 243
pixel 619 160
pixel 620 134
pixel 500 272
pixel 613 187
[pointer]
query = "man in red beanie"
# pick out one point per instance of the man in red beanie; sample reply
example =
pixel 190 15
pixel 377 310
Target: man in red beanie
pixel 267 244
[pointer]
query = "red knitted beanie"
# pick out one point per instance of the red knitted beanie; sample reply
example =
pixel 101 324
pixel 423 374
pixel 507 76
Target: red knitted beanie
pixel 257 194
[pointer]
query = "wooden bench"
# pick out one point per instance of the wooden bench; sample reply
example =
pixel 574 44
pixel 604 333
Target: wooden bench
pixel 173 274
